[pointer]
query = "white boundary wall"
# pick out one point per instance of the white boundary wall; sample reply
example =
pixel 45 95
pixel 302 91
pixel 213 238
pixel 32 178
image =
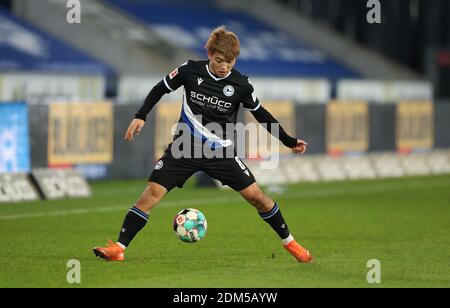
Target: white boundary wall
pixel 384 91
pixel 136 88
pixel 378 165
pixel 35 86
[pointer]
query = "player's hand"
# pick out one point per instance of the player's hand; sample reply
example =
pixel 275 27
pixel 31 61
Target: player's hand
pixel 135 128
pixel 300 147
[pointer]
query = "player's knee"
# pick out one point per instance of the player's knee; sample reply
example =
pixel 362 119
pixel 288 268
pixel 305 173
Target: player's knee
pixel 257 199
pixel 149 198
pixel 154 196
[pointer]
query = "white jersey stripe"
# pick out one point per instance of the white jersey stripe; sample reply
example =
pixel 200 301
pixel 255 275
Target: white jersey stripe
pixel 214 77
pixel 200 128
pixel 257 107
pixel 167 85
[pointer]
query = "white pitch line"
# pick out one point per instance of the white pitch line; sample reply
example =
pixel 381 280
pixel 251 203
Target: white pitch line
pixel 318 193
pixel 113 208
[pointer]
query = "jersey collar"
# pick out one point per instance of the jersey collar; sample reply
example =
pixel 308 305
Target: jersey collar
pixel 213 76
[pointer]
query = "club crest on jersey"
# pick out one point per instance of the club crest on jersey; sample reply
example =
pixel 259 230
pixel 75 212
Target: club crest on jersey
pixel 228 91
pixel 173 74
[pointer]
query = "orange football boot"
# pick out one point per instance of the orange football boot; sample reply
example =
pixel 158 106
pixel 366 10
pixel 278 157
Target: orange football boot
pixel 112 252
pixel 300 253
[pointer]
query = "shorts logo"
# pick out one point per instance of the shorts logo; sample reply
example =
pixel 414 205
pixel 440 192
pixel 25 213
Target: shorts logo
pixel 159 165
pixel 228 91
pixel 173 74
pixel 240 163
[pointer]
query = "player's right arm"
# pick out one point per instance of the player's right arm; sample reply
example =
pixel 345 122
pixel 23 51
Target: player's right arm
pixel 170 83
pixel 151 100
pixel 135 127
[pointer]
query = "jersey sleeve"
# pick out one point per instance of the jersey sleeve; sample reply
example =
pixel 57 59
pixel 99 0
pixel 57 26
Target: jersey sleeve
pixel 177 77
pixel 250 101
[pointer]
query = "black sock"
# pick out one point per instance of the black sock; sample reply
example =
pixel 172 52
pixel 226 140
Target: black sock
pixel 133 223
pixel 276 221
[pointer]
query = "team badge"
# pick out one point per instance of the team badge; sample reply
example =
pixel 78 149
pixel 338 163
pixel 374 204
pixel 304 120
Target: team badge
pixel 159 165
pixel 228 91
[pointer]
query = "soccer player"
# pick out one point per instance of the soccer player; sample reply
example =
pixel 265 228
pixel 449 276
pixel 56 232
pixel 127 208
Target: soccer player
pixel 213 93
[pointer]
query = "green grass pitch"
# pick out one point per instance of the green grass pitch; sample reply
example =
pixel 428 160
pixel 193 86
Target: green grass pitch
pixel 403 223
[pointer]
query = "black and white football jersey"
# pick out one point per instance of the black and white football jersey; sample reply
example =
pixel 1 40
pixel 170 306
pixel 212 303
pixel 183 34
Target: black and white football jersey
pixel 209 99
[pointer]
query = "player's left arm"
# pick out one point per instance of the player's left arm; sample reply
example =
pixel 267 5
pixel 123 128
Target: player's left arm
pixel 265 117
pixel 251 103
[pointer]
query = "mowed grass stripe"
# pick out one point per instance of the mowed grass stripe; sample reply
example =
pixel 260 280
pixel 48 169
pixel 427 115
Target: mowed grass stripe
pixel 369 188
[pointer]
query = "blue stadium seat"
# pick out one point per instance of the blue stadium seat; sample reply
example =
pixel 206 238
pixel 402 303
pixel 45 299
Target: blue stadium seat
pixel 265 51
pixel 25 48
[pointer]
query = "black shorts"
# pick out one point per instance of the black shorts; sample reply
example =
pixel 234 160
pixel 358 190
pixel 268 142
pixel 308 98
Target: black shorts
pixel 170 172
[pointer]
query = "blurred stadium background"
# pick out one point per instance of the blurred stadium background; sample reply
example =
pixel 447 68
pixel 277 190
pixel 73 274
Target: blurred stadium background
pixel 372 100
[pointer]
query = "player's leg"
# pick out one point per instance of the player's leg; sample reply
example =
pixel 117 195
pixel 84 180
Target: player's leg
pixel 134 221
pixel 151 196
pixel 270 212
pixel 167 174
pixel 138 215
pixel 234 173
